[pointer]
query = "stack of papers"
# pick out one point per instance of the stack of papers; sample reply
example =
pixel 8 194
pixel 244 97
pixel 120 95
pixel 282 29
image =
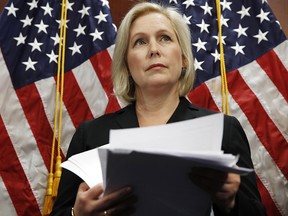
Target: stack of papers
pixel 156 162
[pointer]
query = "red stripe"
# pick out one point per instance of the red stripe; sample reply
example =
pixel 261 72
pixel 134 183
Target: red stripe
pixel 34 111
pixel 75 101
pixel 201 97
pixel 276 71
pixel 14 177
pixel 269 204
pixel 102 65
pixel 264 127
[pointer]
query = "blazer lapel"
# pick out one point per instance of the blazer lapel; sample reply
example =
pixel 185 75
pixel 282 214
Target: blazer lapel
pixel 184 111
pixel 127 118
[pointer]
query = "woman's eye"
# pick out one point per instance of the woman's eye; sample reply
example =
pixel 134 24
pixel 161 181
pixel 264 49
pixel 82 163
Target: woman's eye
pixel 165 38
pixel 139 42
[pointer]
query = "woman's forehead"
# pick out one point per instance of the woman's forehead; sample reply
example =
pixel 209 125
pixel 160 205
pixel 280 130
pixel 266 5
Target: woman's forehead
pixel 151 20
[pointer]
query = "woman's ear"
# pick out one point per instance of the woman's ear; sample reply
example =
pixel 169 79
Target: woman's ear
pixel 184 62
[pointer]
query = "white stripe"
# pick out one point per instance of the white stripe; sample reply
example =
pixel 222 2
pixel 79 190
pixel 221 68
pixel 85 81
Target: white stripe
pixel 7 207
pixel 282 51
pixel 23 140
pixel 46 89
pixel 265 168
pixel 111 50
pixel 91 88
pixel 268 95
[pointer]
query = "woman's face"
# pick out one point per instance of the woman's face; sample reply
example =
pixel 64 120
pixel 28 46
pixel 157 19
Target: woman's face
pixel 154 56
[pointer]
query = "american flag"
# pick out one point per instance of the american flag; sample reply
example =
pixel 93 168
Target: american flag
pixel 28 60
pixel 256 59
pixel 256 62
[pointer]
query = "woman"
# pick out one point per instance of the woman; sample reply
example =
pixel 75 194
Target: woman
pixel 153 71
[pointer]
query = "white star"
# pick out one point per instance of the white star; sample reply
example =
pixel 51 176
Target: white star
pixel 96 35
pixel 69 5
pixel 80 30
pixel 200 45
pixel 27 21
pixel 75 48
pixel 197 65
pixel 12 10
pixel 207 9
pixel 62 23
pixel 263 16
pixel 52 57
pixel 47 9
pixel 56 39
pixel 29 64
pixel 225 5
pixel 101 17
pixel 216 55
pixel 33 4
pixel 84 11
pixel 189 3
pixel 35 45
pixel 244 11
pixel 105 3
pixel 223 39
pixel 203 26
pixel 20 40
pixel 41 27
pixel 238 48
pixel 187 19
pixel 224 21
pixel 241 31
pixel 261 36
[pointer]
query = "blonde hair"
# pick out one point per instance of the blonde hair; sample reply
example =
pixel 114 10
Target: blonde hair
pixel 123 86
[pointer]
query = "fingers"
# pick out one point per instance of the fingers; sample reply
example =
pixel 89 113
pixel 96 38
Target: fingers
pixel 221 186
pixel 117 196
pixel 89 201
pixel 125 207
pixel 93 192
pixel 83 187
pixel 85 197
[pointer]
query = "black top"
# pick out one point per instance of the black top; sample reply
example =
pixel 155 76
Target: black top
pixel 94 133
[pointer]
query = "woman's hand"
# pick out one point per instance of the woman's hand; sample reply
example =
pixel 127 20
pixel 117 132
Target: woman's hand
pixel 90 201
pixel 221 186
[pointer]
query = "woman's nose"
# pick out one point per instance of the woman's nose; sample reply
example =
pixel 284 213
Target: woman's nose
pixel 154 50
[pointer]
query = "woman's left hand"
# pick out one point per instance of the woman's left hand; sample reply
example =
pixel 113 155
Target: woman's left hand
pixel 220 185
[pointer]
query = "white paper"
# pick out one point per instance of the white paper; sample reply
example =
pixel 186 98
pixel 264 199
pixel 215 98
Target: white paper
pixel 200 134
pixel 87 166
pixel 156 162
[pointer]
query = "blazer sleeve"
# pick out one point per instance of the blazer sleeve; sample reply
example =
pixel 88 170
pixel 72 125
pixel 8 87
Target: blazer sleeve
pixel 69 182
pixel 248 200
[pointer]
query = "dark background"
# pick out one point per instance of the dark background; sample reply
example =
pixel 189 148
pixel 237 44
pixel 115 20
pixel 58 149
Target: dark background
pixel 120 7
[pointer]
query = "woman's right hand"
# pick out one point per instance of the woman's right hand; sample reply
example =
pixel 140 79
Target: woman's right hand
pixel 91 201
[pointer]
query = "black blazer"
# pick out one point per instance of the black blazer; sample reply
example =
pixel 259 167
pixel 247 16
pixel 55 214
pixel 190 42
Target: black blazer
pixel 94 133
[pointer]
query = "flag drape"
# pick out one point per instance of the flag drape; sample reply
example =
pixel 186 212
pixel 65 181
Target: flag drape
pixel 29 52
pixel 255 51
